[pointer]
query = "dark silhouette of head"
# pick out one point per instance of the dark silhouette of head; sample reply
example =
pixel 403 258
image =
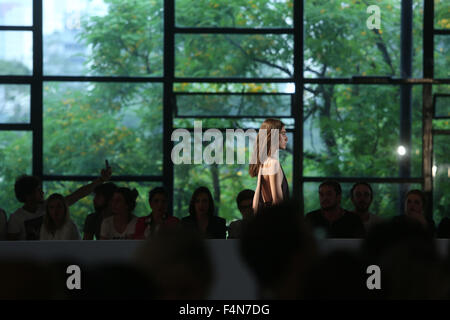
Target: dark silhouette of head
pixel 177 261
pixel 279 248
pixel 29 188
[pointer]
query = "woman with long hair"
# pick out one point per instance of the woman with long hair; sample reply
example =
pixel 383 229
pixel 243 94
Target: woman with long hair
pixel 57 224
pixel 272 187
pixel 201 216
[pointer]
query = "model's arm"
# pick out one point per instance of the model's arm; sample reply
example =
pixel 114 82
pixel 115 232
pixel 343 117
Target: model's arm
pixel 89 188
pixel 275 188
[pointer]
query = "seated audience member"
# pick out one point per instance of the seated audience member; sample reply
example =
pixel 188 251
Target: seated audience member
pixel 443 230
pixel 57 223
pixel 25 222
pixel 159 218
pixel 330 211
pixel 279 249
pixel 415 209
pixel 202 218
pixel 102 206
pixel 361 195
pixel 178 263
pixel 3 224
pixel 244 202
pixel 122 224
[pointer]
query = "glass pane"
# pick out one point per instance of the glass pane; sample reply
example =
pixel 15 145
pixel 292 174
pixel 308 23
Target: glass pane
pixel 441 14
pixel 233 105
pixel 354 131
pixel 202 87
pixel 385 203
pixel 83 207
pixel 234 14
pixel 338 42
pixel 16 12
pixel 14 104
pixel 417 58
pixel 441 177
pixel 15 160
pixel 442 56
pixel 86 123
pixel 442 106
pixel 224 181
pixel 217 55
pixel 16 55
pixel 117 38
pixel 189 123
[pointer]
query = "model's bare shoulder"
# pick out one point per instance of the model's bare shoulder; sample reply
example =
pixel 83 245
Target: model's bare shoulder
pixel 271 166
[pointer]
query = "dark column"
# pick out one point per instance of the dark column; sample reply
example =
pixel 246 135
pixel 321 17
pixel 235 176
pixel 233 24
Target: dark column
pixel 169 71
pixel 36 90
pixel 405 98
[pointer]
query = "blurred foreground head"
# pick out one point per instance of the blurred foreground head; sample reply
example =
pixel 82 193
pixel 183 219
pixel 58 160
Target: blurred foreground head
pixel 178 263
pixel 279 249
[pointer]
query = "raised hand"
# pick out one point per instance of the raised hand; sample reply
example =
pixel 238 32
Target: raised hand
pixel 107 172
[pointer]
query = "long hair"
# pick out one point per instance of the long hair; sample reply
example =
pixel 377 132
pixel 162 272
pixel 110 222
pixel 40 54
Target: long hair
pixel 130 197
pixel 194 197
pixel 263 139
pixel 49 224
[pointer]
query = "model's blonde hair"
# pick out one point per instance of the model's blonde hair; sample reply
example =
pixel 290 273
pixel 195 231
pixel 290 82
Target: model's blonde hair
pixel 267 126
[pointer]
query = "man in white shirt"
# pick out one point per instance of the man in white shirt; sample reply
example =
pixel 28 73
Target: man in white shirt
pixel 25 223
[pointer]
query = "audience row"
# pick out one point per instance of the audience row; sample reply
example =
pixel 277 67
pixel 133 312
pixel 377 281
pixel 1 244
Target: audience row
pixel 113 217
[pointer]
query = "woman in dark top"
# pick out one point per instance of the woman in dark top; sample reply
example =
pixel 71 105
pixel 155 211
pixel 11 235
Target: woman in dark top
pixel 202 218
pixel 272 187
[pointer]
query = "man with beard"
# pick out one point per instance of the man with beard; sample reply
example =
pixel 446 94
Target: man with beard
pixel 331 219
pixel 361 195
pixel 102 205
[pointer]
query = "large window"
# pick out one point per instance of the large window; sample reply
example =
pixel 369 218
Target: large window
pixel 84 81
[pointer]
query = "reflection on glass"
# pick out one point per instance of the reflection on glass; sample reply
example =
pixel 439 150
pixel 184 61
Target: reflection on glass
pixel 441 14
pixel 441 56
pixel 353 131
pixel 93 37
pixel 442 106
pixel 14 104
pixel 234 14
pixel 86 123
pixel 16 54
pixel 202 87
pixel 16 12
pixel 338 42
pixel 233 105
pixel 227 55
